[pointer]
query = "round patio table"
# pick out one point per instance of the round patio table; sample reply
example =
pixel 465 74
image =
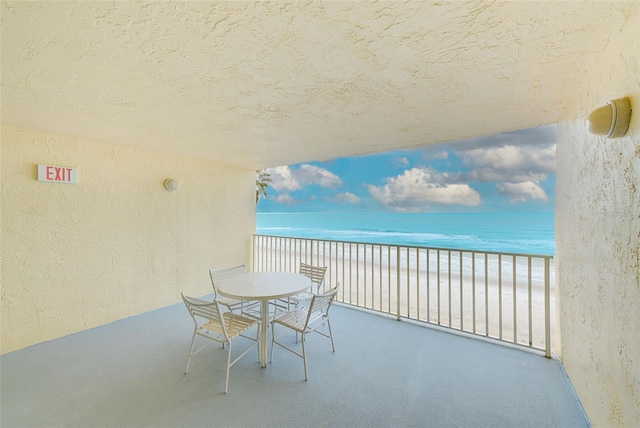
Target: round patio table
pixel 264 286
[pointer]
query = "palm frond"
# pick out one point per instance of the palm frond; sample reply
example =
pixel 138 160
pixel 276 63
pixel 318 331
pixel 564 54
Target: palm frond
pixel 263 180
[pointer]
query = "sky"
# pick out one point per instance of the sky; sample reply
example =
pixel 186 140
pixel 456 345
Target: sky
pixel 508 172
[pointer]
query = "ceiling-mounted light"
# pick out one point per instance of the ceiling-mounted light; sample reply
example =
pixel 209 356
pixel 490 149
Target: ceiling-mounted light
pixel 611 120
pixel 170 184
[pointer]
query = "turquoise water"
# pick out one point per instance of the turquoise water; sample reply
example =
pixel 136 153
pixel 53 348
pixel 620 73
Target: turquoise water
pixel 529 233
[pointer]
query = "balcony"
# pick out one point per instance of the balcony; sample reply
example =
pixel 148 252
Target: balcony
pixel 383 373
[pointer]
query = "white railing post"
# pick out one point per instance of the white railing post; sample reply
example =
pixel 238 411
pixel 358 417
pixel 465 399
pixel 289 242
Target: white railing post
pixel 547 308
pixel 397 283
pixel 515 301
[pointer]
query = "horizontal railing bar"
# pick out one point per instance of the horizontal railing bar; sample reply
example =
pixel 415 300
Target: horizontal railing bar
pixel 453 249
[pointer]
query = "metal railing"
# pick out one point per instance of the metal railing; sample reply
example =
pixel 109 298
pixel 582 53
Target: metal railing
pixel 503 296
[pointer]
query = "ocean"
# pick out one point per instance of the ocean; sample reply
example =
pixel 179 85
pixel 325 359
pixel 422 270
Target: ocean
pixel 523 233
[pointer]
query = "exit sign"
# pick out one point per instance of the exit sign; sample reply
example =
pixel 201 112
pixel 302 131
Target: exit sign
pixel 57 174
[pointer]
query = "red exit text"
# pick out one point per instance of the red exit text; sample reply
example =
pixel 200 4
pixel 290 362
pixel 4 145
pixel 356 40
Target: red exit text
pixel 57 174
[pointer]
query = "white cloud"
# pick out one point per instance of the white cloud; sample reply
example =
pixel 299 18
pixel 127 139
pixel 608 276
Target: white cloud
pixel 510 163
pixel 518 156
pixel 286 179
pixel 416 188
pixel 513 157
pixel 400 161
pixel 520 192
pixel 347 197
pixel 492 175
pixel 283 179
pixel 285 198
pixel 311 174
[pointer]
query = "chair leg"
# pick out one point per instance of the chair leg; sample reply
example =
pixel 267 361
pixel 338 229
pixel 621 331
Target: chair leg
pixel 304 357
pixel 273 339
pixel 258 339
pixel 193 340
pixel 226 380
pixel 331 335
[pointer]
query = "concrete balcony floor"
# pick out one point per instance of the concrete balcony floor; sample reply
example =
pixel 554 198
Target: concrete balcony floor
pixel 384 373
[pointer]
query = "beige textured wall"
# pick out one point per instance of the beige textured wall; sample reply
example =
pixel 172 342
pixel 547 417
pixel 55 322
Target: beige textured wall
pixel 598 244
pixel 117 243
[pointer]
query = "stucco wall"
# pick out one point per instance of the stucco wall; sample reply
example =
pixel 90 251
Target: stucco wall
pixel 117 243
pixel 598 244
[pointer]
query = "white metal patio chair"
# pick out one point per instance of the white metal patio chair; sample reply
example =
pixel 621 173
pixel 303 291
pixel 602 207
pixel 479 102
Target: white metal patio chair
pixel 222 327
pixel 316 274
pixel 306 320
pixel 242 306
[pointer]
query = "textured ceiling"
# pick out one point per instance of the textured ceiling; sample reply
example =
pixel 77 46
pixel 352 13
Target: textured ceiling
pixel 261 84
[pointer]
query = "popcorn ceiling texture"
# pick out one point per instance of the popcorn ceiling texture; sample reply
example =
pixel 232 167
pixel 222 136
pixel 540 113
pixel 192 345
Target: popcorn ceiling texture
pixel 116 244
pixel 598 244
pixel 273 83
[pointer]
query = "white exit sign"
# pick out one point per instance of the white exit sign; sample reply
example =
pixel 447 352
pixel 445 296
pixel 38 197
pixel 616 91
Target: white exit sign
pixel 57 174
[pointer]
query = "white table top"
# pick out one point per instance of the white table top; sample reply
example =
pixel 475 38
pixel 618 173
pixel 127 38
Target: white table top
pixel 263 285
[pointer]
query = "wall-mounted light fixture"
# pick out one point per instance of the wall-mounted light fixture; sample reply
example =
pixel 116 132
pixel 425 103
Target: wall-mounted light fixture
pixel 611 120
pixel 170 184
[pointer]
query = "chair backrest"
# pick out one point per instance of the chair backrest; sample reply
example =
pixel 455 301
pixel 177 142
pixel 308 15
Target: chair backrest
pixel 208 312
pixel 321 303
pixel 219 275
pixel 315 273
